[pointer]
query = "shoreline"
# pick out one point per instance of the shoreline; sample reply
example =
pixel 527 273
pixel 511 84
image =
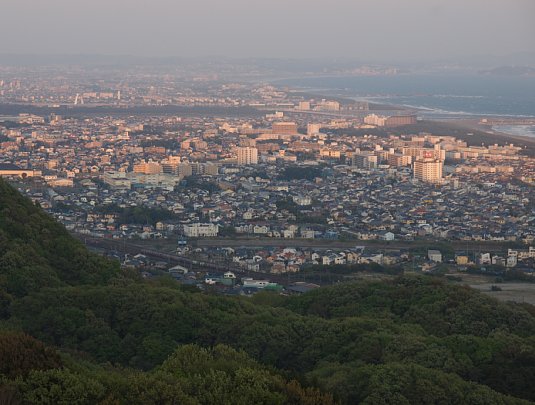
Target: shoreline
pixel 470 122
pixel 379 92
pixel 484 128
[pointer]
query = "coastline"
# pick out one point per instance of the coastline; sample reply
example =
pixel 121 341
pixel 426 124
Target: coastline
pixel 472 132
pixel 484 128
pixel 464 122
pixel 443 96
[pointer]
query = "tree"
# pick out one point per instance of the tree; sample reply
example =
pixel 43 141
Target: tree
pixel 20 354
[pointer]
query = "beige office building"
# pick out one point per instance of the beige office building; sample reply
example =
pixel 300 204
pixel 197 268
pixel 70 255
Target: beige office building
pixel 148 168
pixel 428 170
pixel 284 128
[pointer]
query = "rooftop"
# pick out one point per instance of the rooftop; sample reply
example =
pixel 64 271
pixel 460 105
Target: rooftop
pixel 9 166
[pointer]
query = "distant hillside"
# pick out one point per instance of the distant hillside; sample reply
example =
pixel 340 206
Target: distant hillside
pixel 37 252
pixel 510 71
pixel 93 336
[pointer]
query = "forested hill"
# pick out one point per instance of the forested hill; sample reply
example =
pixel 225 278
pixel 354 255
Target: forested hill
pixel 92 335
pixel 36 251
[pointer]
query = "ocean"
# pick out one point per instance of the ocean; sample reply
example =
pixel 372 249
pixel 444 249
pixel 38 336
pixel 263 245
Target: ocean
pixel 437 96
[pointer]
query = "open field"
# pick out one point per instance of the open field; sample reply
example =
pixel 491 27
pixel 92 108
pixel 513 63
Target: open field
pixel 515 291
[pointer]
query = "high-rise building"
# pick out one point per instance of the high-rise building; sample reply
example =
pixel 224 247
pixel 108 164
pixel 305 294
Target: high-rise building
pixel 365 160
pixel 425 153
pixel 382 155
pixel 185 170
pixel 247 156
pixel 170 165
pixel 304 105
pixel 313 129
pixel 328 105
pixel 399 120
pixel 208 168
pixel 148 168
pixel 284 128
pixel 397 159
pixel 428 170
pixel 373 119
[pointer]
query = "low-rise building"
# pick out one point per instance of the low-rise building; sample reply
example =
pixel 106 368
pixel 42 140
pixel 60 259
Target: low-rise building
pixel 199 230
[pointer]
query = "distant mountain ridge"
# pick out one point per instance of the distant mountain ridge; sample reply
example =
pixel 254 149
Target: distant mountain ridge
pixel 510 71
pixel 279 64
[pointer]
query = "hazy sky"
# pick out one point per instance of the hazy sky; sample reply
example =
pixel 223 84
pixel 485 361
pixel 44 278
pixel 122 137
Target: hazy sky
pixel 367 29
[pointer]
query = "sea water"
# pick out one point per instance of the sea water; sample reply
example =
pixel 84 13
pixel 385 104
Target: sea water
pixel 439 96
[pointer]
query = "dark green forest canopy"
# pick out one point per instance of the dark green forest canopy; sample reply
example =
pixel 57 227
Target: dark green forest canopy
pixel 75 329
pixel 36 251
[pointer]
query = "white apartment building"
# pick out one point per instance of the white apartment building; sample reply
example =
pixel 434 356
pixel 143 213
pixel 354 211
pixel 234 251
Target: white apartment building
pixel 373 119
pixel 428 170
pixel 247 156
pixel 116 180
pixel 199 230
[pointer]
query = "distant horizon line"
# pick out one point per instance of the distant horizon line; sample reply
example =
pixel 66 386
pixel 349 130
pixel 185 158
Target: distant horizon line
pixel 329 60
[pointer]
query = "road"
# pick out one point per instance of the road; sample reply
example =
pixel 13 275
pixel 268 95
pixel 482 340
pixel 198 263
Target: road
pixel 164 252
pixel 336 244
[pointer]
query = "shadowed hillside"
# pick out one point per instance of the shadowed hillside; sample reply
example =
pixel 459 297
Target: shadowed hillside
pixel 37 252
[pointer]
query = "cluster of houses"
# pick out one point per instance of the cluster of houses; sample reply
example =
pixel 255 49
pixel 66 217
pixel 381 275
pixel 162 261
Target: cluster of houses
pixel 291 260
pixel 84 165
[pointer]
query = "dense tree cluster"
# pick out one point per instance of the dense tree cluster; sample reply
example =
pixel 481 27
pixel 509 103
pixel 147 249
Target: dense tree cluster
pixel 190 375
pixel 200 183
pixel 21 353
pixel 300 173
pixel 80 332
pixel 138 215
pixel 302 213
pixel 37 252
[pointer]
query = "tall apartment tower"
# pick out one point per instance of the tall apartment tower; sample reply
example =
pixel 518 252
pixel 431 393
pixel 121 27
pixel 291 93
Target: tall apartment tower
pixel 247 156
pixel 365 160
pixel 428 170
pixel 313 129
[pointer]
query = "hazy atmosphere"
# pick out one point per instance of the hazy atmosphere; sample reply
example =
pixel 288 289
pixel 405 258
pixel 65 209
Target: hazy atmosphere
pixel 267 202
pixel 387 30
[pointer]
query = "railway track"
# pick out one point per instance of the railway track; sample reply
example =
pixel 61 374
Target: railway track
pixel 213 267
